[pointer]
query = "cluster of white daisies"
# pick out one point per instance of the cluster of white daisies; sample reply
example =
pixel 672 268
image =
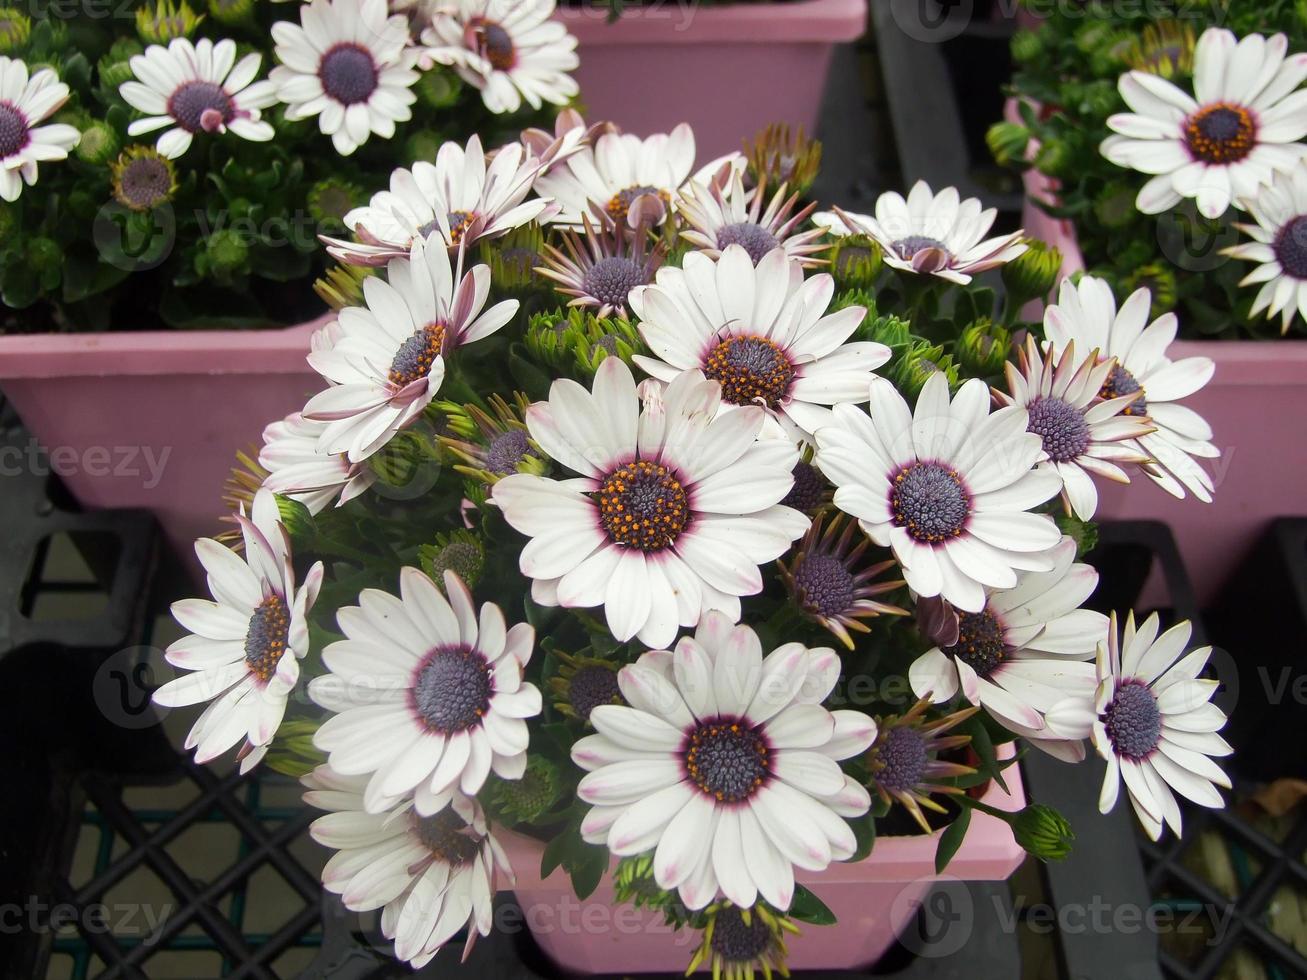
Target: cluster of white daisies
pixel 1236 140
pixel 352 64
pixel 664 502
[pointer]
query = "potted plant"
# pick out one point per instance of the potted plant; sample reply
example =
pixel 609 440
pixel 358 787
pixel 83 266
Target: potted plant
pixel 1111 116
pixel 764 62
pixel 731 589
pixel 154 280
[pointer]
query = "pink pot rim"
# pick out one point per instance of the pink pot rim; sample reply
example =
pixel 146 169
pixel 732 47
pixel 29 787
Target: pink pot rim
pixel 673 22
pixel 153 352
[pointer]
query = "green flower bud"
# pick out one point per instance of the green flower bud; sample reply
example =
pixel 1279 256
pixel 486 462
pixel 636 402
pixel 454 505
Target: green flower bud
pixel 438 88
pixel 44 254
pixel 422 145
pixel 855 262
pixel 292 752
pixel 779 155
pixel 15 29
pixel 226 251
pixel 400 460
pixel 1008 141
pixel 1054 158
pixel 1159 279
pixel 166 21
pixel 888 330
pixel 633 882
pixel 460 552
pixel 342 286
pixel 1115 206
pixel 114 73
pixel 918 365
pixel 232 13
pixel 1027 46
pixel 526 799
pixel 1043 832
pixel 1033 273
pixel 331 199
pixel 513 259
pixel 579 341
pixel 1083 533
pixel 296 519
pixel 1093 35
pixel 983 348
pixel 99 143
pixel 124 49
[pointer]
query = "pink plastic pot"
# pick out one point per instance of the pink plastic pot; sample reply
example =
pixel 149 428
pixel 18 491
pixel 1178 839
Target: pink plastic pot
pixel 154 419
pixel 1255 403
pixel 873 900
pixel 726 70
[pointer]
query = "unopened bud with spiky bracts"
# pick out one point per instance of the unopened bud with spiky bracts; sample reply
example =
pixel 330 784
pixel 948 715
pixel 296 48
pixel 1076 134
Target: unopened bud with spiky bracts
pixel 983 348
pixel 292 752
pixel 831 583
pixel 491 445
pixel 460 552
pixel 904 760
pixel 330 200
pixel 1008 142
pixel 514 260
pixel 855 261
pixel 166 21
pixel 577 341
pixel 1159 280
pixel 528 798
pixel 918 365
pixel 779 155
pixel 15 29
pixel 599 266
pixel 740 943
pixel 1165 48
pixel 232 13
pixel 99 143
pixel 1033 273
pixel 583 683
pixel 342 286
pixel 633 882
pixel 1043 832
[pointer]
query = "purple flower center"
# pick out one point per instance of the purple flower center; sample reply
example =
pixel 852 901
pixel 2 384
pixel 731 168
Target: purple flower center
pixel 1061 426
pixel 496 46
pixel 755 239
pixel 13 130
pixel 348 73
pixel 415 356
pixel 1133 720
pixel 590 687
pixel 751 370
pixel 910 246
pixel 902 759
pixel 611 280
pixel 448 838
pixel 981 644
pixel 929 500
pixel 825 586
pixel 200 107
pixel 144 182
pixel 809 488
pixel 1291 247
pixel 620 203
pixel 505 451
pixel 737 942
pixel 452 689
pixel 266 637
pixel 727 759
pixel 1121 382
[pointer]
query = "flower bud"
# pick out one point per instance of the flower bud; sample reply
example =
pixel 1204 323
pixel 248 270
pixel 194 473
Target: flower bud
pixel 1033 273
pixel 1008 142
pixel 921 363
pixel 296 519
pixel 166 21
pixel 855 262
pixel 438 88
pixel 15 29
pixel 460 552
pixel 99 143
pixel 1159 279
pixel 528 798
pixel 226 251
pixel 983 348
pixel 1043 832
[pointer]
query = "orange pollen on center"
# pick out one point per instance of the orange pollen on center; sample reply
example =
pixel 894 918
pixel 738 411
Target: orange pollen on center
pixel 642 505
pixel 1221 132
pixel 415 356
pixel 751 370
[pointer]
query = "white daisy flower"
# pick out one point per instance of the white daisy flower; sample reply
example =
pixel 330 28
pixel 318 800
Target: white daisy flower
pixel 619 168
pixel 430 876
pixel 509 50
pixel 1153 721
pixel 197 88
pixel 348 63
pixel 246 645
pixel 24 102
pixel 458 196
pixel 1086 314
pixel 427 699
pixel 297 469
pixel 721 213
pixel 1279 246
pixel 387 361
pixel 674 510
pixel 1024 652
pixel 761 331
pixel 724 765
pixel 948 487
pixel 1242 123
pixel 931 234
pixel 1082 433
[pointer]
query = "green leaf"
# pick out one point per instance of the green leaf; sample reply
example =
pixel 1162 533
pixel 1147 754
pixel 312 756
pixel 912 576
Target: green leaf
pixel 952 838
pixel 554 853
pixel 864 832
pixel 590 871
pixel 808 908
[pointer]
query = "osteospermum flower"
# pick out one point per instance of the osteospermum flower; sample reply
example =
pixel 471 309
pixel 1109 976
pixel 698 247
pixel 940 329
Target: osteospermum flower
pixel 830 582
pixel 197 88
pixel 1242 123
pixel 492 445
pixel 24 102
pixel 143 178
pixel 1279 246
pixel 762 331
pixel 1153 721
pixel 948 487
pixel 430 875
pixel 601 267
pixel 512 52
pixel 905 764
pixel 246 645
pixel 427 698
pixel 460 197
pixel 724 764
pixel 721 213
pixel 348 63
pixel 672 513
pixel 739 943
pixel 299 470
pixel 387 360
pixel 1086 314
pixel 618 168
pixel 931 234
pixel 1082 433
pixel 1025 651
pixel 583 683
